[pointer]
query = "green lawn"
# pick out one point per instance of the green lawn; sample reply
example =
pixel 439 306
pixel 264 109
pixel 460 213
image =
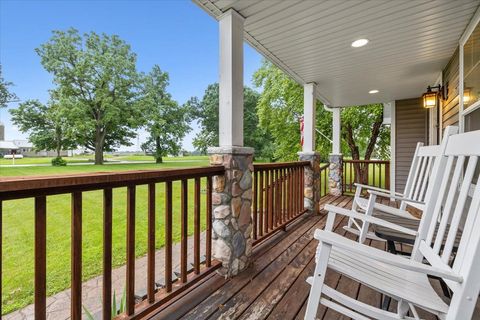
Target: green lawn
pixel 108 158
pixel 18 226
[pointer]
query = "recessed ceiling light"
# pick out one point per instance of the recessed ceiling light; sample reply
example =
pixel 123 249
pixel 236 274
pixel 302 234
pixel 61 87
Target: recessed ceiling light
pixel 373 91
pixel 359 43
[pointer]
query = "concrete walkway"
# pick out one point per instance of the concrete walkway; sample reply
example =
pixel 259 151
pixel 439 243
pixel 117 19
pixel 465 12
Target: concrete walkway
pixel 58 305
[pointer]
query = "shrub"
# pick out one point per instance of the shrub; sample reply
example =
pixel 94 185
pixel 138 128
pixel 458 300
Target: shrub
pixel 59 162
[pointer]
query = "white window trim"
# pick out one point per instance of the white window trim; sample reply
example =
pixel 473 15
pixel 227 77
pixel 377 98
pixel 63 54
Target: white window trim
pixel 461 112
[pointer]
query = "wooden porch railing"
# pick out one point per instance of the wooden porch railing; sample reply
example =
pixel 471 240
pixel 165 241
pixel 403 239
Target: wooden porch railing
pixel 376 173
pixel 39 188
pixel 277 196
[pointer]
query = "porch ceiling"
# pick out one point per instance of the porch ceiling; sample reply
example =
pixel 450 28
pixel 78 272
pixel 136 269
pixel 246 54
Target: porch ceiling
pixel 410 42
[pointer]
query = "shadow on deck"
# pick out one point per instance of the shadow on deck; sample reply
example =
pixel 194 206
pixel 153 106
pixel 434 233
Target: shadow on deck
pixel 274 286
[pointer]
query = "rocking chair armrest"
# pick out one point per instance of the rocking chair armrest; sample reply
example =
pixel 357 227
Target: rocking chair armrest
pixel 336 240
pixel 396 197
pixel 332 211
pixel 364 186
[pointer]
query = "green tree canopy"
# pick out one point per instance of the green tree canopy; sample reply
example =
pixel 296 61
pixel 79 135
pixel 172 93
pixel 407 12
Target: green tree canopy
pixel 97 82
pixel 46 125
pixel 281 105
pixel 206 111
pixel 167 122
pixel 6 95
pixel 280 108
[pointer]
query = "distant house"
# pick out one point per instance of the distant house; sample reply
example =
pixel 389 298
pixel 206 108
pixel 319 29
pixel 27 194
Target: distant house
pixel 23 147
pixel 7 147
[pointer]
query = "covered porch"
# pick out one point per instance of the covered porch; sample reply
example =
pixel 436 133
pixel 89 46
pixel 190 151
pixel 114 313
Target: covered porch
pixel 258 219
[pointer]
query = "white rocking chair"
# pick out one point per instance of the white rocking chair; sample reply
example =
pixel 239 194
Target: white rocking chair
pixel 414 195
pixel 406 279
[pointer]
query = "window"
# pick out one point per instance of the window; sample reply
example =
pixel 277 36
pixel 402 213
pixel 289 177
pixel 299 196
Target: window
pixel 471 69
pixel 472 120
pixel 469 81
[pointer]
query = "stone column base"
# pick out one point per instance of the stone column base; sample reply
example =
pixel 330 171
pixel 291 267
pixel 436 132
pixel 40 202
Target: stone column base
pixel 312 181
pixel 232 208
pixel 335 176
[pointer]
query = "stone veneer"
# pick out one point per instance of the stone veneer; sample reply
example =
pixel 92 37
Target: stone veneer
pixel 232 208
pixel 311 192
pixel 336 174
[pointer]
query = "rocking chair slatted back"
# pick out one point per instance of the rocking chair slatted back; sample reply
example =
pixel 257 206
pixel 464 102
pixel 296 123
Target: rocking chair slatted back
pixel 419 175
pixel 453 207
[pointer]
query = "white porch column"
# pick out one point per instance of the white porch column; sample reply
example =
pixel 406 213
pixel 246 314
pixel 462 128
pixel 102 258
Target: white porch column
pixel 231 80
pixel 232 192
pixel 311 194
pixel 335 176
pixel 309 114
pixel 336 127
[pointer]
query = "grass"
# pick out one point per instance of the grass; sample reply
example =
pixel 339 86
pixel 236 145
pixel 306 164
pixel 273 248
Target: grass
pixel 18 230
pixel 89 159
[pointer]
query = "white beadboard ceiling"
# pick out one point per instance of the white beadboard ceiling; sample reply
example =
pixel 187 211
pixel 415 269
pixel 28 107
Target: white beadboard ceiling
pixel 411 42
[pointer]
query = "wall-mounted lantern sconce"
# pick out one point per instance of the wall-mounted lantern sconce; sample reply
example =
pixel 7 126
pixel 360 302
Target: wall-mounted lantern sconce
pixel 467 96
pixel 430 98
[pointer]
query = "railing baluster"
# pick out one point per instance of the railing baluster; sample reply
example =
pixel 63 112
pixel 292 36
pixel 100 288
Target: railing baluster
pixel 255 204
pixel 284 196
pixel 107 255
pixel 275 198
pixel 261 193
pixel 302 176
pixel 208 250
pixel 168 236
pixel 387 175
pixel 130 271
pixel 290 193
pixel 76 295
pixel 184 230
pixel 196 226
pixel 151 244
pixel 40 257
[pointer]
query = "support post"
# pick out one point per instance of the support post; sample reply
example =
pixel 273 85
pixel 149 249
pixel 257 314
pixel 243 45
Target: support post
pixel 309 115
pixel 311 191
pixel 232 193
pixel 231 79
pixel 335 175
pixel 311 194
pixel 232 208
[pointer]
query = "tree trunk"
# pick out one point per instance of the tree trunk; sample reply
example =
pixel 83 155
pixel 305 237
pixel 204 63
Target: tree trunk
pixel 361 169
pixel 158 151
pixel 99 145
pixel 59 143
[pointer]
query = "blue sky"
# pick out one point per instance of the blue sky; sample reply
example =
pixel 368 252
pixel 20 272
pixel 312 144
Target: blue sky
pixel 177 35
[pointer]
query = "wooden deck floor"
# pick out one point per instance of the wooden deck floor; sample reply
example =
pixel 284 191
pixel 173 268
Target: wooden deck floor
pixel 274 287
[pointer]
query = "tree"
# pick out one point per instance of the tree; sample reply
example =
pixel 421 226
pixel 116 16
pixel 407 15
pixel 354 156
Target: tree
pixel 363 131
pixel 97 83
pixel 5 95
pixel 46 125
pixel 206 111
pixel 280 108
pixel 167 121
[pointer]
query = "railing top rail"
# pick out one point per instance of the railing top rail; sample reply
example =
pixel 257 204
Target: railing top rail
pixel 29 186
pixel 280 165
pixel 368 161
pixel 324 166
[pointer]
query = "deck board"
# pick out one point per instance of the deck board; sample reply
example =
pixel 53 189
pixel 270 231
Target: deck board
pixel 274 286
